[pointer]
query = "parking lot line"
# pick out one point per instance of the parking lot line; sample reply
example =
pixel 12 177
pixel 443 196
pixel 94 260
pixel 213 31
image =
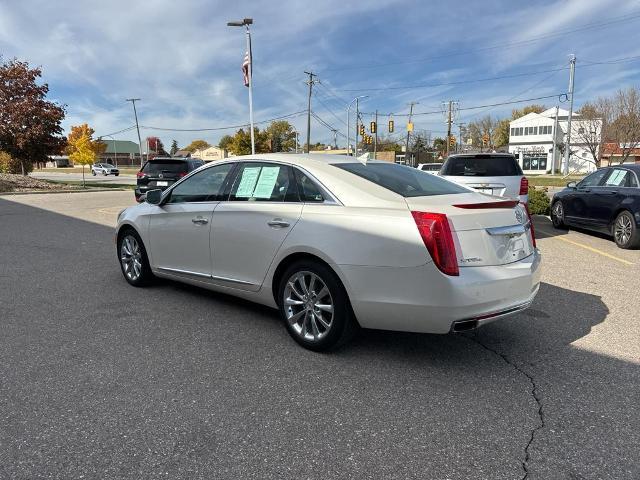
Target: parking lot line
pixel 591 249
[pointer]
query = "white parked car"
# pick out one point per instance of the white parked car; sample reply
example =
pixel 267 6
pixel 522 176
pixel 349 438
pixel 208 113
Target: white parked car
pixel 335 244
pixel 492 173
pixel 104 169
pixel 433 168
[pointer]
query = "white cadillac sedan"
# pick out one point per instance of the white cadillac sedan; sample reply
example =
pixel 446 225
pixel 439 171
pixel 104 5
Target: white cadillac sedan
pixel 335 244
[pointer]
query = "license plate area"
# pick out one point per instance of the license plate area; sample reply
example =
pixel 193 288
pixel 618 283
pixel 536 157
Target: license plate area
pixel 161 183
pixel 488 191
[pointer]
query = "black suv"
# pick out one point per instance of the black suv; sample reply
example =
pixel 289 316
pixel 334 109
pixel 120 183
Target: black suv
pixel 161 172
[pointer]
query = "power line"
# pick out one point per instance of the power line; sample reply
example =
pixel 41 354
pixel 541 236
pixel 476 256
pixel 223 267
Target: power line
pixel 327 125
pixel 459 82
pixel 119 131
pixel 315 94
pixel 588 26
pixel 587 63
pixel 228 127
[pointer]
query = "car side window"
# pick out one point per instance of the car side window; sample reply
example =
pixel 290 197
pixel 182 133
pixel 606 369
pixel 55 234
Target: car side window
pixel 594 179
pixel 307 188
pixel 264 182
pixel 618 178
pixel 633 181
pixel 204 186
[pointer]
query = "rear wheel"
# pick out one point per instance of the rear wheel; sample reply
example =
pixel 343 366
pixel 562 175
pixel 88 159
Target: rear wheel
pixel 557 214
pixel 93 172
pixel 315 307
pixel 625 232
pixel 134 262
pixel 104 172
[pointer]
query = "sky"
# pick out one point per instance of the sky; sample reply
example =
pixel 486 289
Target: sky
pixel 184 62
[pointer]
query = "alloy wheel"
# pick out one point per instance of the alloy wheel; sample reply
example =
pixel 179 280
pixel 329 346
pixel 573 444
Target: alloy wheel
pixel 308 306
pixel 622 230
pixel 558 211
pixel 131 257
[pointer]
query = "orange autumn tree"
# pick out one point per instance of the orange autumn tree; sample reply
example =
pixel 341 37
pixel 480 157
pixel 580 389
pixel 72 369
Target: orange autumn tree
pixel 80 131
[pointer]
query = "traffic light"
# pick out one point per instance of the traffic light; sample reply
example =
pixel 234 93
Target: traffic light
pixel 372 127
pixel 391 126
pixel 485 139
pixel 452 141
pixel 362 129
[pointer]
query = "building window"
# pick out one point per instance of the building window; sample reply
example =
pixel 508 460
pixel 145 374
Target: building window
pixel 520 131
pixel 535 130
pixel 534 163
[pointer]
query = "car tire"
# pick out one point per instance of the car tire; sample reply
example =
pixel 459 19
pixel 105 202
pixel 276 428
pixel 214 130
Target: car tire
pixel 315 307
pixel 93 172
pixel 557 214
pixel 116 174
pixel 133 259
pixel 625 232
pixel 104 172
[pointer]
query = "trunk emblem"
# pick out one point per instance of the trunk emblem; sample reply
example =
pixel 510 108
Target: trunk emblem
pixel 520 217
pixel 160 176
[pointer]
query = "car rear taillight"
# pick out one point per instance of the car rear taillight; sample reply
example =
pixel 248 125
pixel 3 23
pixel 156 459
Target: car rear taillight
pixel 182 174
pixel 533 233
pixel 436 235
pixel 140 174
pixel 524 186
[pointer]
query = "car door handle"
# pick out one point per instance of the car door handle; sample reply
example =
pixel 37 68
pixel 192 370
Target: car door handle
pixel 200 221
pixel 278 223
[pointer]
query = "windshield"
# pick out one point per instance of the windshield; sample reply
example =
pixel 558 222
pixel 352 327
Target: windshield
pixel 406 181
pixel 165 166
pixel 481 166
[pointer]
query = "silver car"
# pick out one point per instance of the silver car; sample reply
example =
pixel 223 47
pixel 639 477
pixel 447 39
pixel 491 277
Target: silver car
pixel 334 244
pixel 492 173
pixel 104 169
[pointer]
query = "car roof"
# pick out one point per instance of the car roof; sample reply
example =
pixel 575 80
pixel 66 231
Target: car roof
pixel 633 167
pixel 482 155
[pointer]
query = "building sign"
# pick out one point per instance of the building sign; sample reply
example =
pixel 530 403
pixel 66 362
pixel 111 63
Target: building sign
pixel 532 150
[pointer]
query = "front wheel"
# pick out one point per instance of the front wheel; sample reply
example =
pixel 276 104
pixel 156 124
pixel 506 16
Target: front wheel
pixel 134 262
pixel 315 307
pixel 557 214
pixel 104 172
pixel 625 232
pixel 93 172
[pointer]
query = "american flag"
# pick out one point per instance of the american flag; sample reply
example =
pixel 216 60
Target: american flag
pixel 245 68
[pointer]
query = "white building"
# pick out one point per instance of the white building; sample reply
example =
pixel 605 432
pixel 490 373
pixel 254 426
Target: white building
pixel 531 139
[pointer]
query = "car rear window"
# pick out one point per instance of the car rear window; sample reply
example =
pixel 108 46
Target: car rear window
pixel 406 181
pixel 165 166
pixel 481 166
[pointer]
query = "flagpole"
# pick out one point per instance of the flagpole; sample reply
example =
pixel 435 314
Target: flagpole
pixel 253 143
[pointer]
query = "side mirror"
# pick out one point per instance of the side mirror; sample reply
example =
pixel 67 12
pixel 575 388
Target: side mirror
pixel 571 185
pixel 154 196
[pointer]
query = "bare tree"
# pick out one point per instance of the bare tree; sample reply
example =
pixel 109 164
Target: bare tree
pixel 621 121
pixel 587 129
pixel 477 129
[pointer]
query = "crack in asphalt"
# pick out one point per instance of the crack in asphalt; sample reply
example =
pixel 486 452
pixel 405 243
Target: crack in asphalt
pixel 534 394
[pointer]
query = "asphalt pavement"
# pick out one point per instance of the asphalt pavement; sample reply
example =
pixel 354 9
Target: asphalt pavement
pixel 102 380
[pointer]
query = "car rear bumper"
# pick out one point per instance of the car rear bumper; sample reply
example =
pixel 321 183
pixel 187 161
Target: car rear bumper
pixel 422 299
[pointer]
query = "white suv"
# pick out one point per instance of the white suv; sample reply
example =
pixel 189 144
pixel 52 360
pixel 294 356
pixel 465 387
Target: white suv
pixel 492 173
pixel 104 169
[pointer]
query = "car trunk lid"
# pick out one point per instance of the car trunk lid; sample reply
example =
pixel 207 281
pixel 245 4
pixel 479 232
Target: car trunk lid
pixel 487 230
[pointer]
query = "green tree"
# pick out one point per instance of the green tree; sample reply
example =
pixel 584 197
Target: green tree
pixel 82 152
pixel 30 125
pixel 241 142
pixel 197 145
pixel 440 145
pixel 174 148
pixel 225 142
pixel 281 136
pixel 388 143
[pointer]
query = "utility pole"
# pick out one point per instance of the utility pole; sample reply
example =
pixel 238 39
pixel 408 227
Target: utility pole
pixel 335 138
pixel 448 126
pixel 375 140
pixel 567 148
pixel 460 125
pixel 355 149
pixel 406 148
pixel 135 113
pixel 310 83
pixel 555 132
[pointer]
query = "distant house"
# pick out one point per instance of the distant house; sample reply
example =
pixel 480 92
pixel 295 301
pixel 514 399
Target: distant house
pixel 120 152
pixel 211 154
pixel 532 136
pixel 612 154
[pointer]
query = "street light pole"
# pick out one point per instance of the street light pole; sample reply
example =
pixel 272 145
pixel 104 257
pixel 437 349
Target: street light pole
pixel 245 23
pixel 349 121
pixel 567 150
pixel 135 113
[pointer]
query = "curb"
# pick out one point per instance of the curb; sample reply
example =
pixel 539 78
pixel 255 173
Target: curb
pixel 43 192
